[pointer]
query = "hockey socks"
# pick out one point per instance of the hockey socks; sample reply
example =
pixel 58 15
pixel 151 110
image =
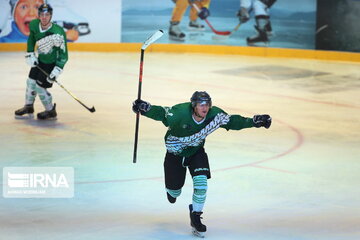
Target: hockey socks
pixel 173 193
pixel 199 195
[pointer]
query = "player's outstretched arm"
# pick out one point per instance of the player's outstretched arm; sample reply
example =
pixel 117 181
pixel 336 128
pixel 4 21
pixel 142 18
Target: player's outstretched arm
pixel 157 113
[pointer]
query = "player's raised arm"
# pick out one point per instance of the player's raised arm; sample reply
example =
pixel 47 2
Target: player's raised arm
pixel 157 113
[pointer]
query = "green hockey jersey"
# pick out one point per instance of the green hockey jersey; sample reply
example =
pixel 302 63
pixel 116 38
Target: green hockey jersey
pixel 51 43
pixel 185 136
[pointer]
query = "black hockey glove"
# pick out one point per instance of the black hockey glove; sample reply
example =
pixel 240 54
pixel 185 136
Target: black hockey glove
pixel 243 15
pixel 204 13
pixel 140 106
pixel 262 121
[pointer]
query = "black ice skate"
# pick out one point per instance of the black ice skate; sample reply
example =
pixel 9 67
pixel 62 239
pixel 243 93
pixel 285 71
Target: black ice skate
pixel 259 40
pixel 195 26
pixel 48 115
pixel 198 229
pixel 175 32
pixel 27 112
pixel 268 29
pixel 170 198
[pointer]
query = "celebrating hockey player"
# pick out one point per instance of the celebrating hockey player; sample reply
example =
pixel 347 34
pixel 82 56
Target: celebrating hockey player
pixel 52 56
pixel 262 18
pixel 188 125
pixel 175 32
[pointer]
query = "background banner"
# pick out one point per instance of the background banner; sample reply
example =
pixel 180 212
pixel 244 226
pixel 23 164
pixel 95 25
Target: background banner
pixel 338 25
pixel 83 21
pixel 309 24
pixel 293 24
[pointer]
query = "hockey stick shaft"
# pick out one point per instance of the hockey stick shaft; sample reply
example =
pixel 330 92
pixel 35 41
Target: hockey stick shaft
pixel 208 23
pixel 236 28
pixel 72 95
pixel 138 114
pixel 155 36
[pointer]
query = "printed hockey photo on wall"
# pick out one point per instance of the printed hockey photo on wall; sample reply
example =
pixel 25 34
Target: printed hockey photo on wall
pixel 272 23
pixel 80 21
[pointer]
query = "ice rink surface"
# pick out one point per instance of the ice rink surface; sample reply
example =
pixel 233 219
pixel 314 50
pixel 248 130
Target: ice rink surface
pixel 298 180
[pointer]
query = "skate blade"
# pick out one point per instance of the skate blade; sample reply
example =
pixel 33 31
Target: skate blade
pixel 176 39
pixel 25 116
pixel 48 119
pixel 258 44
pixel 197 233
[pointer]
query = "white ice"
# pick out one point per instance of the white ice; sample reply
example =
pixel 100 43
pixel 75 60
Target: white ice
pixel 298 180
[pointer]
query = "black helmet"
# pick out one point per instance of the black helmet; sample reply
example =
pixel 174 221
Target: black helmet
pixel 45 8
pixel 200 97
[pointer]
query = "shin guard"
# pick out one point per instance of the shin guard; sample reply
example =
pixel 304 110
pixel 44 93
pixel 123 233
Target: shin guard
pixel 30 91
pixel 199 195
pixel 45 97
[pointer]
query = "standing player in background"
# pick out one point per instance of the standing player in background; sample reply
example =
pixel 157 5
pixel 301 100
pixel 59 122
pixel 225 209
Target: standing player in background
pixel 188 125
pixel 52 56
pixel 262 18
pixel 175 32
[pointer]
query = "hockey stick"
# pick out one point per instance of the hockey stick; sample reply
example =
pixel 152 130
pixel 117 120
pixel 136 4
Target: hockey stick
pixel 155 36
pixel 47 75
pixel 208 23
pixel 222 37
pixel 236 28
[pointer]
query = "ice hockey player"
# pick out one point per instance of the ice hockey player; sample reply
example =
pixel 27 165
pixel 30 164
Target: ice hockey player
pixel 188 125
pixel 175 32
pixel 52 56
pixel 262 18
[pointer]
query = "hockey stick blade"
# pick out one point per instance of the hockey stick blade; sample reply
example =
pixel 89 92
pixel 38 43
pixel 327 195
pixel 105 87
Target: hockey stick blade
pixel 224 33
pixel 223 37
pixel 75 98
pixel 152 39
